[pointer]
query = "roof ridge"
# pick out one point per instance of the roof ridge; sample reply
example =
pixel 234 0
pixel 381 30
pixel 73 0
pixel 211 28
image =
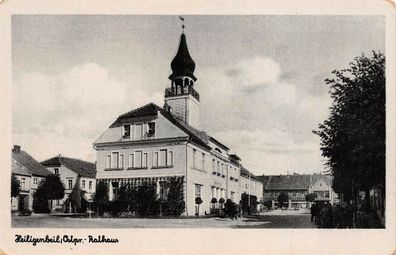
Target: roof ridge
pixel 77 159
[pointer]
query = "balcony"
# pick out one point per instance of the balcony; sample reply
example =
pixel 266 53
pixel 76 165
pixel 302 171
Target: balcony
pixel 191 91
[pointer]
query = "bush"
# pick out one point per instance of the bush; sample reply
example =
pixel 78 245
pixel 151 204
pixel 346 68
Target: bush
pixel 174 204
pixel 40 202
pixel 230 209
pixel 147 203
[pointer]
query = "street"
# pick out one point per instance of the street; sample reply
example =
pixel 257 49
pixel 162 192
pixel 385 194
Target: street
pixel 272 219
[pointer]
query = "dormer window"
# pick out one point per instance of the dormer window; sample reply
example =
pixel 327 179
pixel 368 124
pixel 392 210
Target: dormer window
pixel 126 131
pixel 218 150
pixel 151 129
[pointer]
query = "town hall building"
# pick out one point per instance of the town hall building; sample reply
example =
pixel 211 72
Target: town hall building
pixel 152 144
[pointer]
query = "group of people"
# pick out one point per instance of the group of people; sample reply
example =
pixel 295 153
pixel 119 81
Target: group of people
pixel 326 215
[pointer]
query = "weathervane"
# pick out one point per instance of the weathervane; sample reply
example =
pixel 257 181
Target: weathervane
pixel 182 19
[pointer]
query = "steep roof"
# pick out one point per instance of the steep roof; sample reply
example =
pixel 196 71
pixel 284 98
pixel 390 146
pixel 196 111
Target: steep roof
pixel 286 182
pixel 17 168
pixel 24 160
pixel 182 64
pixel 81 167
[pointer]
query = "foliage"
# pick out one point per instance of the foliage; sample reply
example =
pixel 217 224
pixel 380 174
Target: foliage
pixel 40 201
pixel 147 203
pixel 283 198
pixel 101 198
pixel 198 200
pixel 15 186
pixel 248 203
pixel 214 200
pixel 230 209
pixel 50 188
pixel 174 204
pixel 221 200
pixel 310 197
pixel 353 137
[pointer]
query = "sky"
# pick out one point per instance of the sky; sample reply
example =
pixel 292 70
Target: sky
pixel 260 79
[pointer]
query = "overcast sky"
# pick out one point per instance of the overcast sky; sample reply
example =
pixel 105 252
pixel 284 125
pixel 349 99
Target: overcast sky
pixel 260 79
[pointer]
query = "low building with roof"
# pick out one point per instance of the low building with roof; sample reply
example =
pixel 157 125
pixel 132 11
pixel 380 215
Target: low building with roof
pixel 297 186
pixel 29 172
pixel 77 176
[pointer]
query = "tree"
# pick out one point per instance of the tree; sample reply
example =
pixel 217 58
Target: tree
pixel 353 137
pixel 15 186
pixel 310 197
pixel 283 198
pixel 50 188
pixel 101 197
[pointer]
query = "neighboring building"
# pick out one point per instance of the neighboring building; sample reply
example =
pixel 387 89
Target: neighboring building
pixel 76 175
pixel 152 144
pixel 251 185
pixel 321 186
pixel 29 173
pixel 297 186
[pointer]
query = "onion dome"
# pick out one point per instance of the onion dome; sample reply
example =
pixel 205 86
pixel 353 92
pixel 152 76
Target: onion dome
pixel 182 64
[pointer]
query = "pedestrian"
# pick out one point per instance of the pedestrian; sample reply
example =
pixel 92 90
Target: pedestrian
pixel 349 216
pixel 314 209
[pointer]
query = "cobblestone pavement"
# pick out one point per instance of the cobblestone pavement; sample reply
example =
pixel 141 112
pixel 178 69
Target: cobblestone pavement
pixel 265 220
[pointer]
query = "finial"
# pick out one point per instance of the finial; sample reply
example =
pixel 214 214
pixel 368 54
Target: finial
pixel 182 19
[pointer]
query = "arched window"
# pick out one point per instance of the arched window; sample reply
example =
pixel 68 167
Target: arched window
pixel 186 83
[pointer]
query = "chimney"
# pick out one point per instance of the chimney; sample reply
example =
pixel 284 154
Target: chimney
pixel 17 149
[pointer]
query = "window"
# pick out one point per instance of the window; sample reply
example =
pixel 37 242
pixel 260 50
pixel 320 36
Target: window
pixel 23 182
pixel 155 159
pixel 198 190
pixel 194 158
pixel 130 161
pixel 56 170
pixel 83 184
pixel 114 159
pixel 126 131
pixel 213 192
pixel 57 202
pixel 203 161
pixel 108 160
pixel 214 165
pixel 222 168
pixel 70 184
pixel 121 163
pixel 170 158
pixel 232 195
pixel 145 158
pixel 35 181
pixel 151 129
pixel 138 131
pixel 163 158
pixel 218 166
pixel 90 185
pixel 138 159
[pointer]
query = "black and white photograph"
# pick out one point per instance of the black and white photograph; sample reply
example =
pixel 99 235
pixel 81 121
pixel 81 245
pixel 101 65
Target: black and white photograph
pixel 196 122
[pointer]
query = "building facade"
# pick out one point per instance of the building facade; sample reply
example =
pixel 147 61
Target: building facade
pixel 29 173
pixel 297 186
pixel 77 176
pixel 152 144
